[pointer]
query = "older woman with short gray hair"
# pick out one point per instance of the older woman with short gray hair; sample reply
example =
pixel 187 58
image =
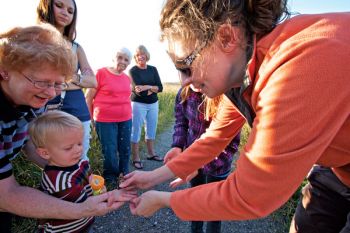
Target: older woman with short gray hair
pixel 110 106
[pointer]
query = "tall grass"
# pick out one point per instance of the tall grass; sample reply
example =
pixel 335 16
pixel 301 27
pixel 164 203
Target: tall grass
pixel 28 174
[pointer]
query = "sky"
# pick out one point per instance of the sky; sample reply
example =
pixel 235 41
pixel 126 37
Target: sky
pixel 104 26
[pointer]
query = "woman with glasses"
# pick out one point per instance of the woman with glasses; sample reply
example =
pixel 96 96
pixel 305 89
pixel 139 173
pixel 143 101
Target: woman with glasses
pixel 290 81
pixel 144 101
pixel 35 64
pixel 63 15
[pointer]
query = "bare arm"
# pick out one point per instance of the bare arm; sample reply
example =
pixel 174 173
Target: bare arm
pixel 87 77
pixel 89 97
pixel 29 202
pixel 154 89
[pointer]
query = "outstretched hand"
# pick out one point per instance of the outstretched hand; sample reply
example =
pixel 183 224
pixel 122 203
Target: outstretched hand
pixel 137 180
pixel 118 197
pixel 98 205
pixel 149 202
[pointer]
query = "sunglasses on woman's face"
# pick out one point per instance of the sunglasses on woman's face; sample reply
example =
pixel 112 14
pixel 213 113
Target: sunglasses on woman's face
pixel 184 65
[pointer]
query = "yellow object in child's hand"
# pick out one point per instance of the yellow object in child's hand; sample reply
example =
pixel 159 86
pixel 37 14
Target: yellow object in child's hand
pixel 97 183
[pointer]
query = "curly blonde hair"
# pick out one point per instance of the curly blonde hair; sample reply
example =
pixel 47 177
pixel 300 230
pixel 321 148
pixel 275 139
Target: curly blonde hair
pixel 51 123
pixel 198 20
pixel 35 47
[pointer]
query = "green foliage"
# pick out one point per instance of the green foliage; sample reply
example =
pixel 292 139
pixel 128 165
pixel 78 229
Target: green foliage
pixel 166 106
pixel 28 174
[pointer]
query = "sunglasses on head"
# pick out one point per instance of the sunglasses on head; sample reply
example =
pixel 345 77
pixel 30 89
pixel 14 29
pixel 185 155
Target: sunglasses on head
pixel 184 65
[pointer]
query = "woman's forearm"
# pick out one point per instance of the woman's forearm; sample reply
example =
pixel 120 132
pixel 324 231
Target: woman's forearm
pixel 29 202
pixel 162 174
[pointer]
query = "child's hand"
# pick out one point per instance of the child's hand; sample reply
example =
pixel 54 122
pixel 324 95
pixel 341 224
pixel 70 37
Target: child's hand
pixel 178 181
pixel 120 195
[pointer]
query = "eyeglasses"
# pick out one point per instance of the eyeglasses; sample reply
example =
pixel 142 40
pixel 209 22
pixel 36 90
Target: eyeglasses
pixel 184 65
pixel 45 84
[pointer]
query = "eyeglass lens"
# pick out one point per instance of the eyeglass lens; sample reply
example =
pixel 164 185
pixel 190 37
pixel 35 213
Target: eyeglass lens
pixel 186 71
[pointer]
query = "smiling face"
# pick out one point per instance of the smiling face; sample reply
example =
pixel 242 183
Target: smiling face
pixel 63 151
pixel 140 58
pixel 63 12
pixel 121 62
pixel 21 91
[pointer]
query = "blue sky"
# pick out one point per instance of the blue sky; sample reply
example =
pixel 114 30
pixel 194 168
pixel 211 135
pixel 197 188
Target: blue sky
pixel 319 6
pixel 105 25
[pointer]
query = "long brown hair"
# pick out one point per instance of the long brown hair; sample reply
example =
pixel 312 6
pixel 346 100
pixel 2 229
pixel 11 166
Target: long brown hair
pixel 45 14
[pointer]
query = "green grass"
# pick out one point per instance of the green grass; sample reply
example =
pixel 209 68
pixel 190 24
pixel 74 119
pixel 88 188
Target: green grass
pixel 29 174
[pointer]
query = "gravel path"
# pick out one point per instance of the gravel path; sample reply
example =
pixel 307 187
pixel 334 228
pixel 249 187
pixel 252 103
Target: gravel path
pixel 122 221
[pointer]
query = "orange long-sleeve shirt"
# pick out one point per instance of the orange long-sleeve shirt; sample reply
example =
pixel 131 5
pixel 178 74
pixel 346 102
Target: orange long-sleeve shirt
pixel 300 74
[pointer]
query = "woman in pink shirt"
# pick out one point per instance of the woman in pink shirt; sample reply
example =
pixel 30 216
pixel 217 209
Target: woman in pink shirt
pixel 110 106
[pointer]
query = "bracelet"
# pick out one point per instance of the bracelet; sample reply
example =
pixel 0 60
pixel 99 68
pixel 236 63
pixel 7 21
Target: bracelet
pixel 79 80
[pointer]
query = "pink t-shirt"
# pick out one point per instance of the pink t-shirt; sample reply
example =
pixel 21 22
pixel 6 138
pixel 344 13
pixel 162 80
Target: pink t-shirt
pixel 112 100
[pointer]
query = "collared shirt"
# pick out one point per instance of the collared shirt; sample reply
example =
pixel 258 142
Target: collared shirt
pixel 13 131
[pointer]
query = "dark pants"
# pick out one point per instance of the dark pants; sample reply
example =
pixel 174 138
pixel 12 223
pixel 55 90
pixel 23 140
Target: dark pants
pixel 5 222
pixel 325 205
pixel 197 226
pixel 115 142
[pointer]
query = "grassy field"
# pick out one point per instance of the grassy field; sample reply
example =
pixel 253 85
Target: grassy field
pixel 29 174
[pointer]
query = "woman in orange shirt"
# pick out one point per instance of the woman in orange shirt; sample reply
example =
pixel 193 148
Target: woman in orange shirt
pixel 290 82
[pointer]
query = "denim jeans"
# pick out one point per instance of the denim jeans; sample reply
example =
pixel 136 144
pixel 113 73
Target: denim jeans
pixel 115 142
pixel 213 226
pixel 144 114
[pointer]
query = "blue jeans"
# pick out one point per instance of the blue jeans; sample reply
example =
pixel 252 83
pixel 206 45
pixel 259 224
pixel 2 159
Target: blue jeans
pixel 146 114
pixel 115 140
pixel 213 226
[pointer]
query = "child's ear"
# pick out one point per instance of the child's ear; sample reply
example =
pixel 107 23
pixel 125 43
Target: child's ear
pixel 43 153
